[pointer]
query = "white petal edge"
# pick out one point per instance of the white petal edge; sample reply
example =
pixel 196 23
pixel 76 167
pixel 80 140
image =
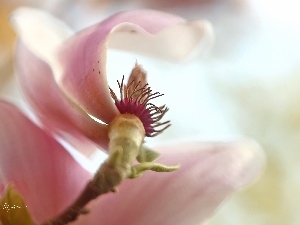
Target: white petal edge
pixel 40 31
pixel 43 33
pixel 175 43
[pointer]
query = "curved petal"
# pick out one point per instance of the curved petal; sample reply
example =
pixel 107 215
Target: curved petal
pixel 55 110
pixel 37 165
pixel 41 32
pixel 209 173
pixel 82 58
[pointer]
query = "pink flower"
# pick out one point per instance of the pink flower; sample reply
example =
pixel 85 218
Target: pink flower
pixel 64 78
pixel 70 69
pixel 49 178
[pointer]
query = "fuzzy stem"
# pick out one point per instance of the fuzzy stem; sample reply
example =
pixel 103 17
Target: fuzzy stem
pixel 126 134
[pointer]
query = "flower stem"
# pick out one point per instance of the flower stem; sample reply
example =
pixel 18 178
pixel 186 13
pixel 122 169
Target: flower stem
pixel 126 134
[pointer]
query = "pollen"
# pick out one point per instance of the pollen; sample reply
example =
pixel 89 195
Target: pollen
pixel 135 99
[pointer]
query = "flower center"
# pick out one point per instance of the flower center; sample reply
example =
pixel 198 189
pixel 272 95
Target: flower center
pixel 135 99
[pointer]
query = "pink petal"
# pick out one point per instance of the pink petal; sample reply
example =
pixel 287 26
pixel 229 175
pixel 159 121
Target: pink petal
pixel 56 111
pixel 37 165
pixel 82 58
pixel 209 173
pixel 76 68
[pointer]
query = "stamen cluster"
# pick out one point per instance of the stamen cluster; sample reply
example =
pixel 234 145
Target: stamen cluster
pixel 135 99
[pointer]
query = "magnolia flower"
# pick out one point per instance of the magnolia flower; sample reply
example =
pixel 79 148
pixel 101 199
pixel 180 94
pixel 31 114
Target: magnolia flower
pixel 70 70
pixel 63 76
pixel 49 178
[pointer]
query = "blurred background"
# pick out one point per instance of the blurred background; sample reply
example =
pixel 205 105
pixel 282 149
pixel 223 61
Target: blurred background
pixel 246 85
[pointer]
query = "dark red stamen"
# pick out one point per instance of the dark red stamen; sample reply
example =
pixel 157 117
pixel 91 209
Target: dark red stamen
pixel 135 100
